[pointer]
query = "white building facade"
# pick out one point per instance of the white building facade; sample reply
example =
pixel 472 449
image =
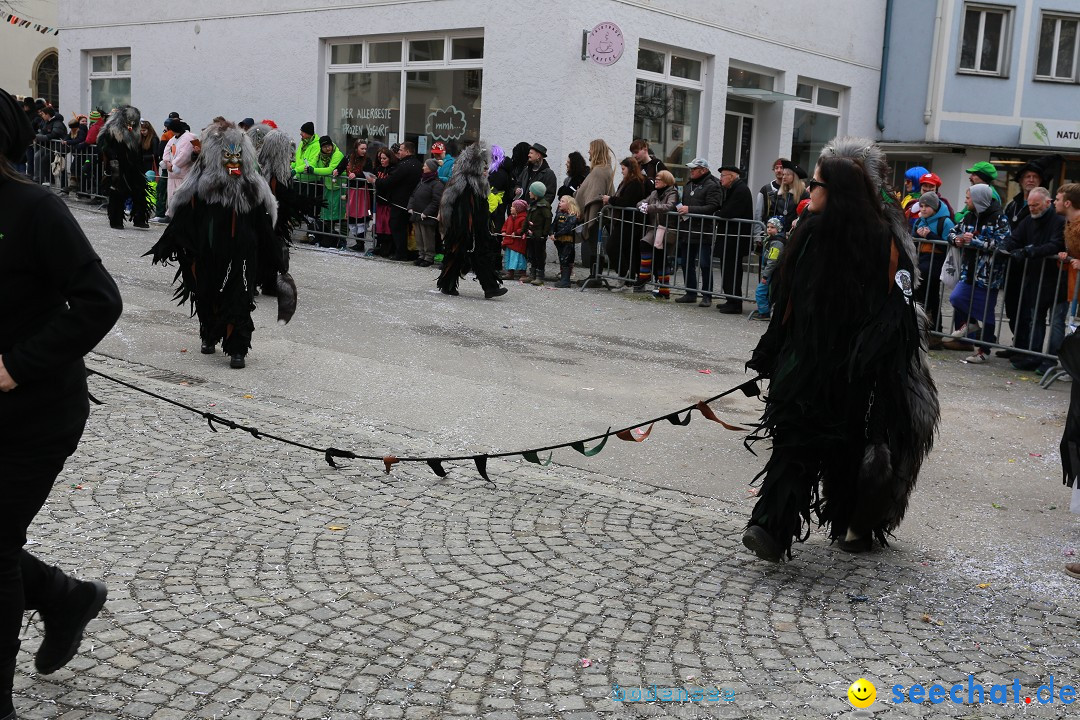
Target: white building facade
pixel 29 63
pixel 738 83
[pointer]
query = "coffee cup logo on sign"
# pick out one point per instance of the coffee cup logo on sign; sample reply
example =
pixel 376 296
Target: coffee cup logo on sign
pixel 605 44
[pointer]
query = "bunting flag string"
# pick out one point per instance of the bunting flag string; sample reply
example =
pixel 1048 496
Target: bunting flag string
pixel 23 23
pixel 632 433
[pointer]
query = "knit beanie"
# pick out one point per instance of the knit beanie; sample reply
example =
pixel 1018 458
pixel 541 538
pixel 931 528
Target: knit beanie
pixel 520 205
pixel 308 128
pixel 930 200
pixel 94 116
pixel 538 189
pixel 325 140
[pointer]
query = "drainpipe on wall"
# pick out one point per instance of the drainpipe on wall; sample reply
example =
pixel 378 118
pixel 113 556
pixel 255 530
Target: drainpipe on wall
pixel 884 66
pixel 935 56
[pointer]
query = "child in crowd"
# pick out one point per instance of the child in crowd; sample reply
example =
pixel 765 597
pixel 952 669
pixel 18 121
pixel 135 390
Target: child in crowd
pixel 537 227
pixel 770 258
pixel 566 219
pixel 513 241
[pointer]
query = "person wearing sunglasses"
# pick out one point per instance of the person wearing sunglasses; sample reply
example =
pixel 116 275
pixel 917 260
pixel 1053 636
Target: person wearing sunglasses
pixel 851 408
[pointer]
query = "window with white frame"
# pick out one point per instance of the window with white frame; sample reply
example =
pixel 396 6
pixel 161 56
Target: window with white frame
pixel 817 124
pixel 1057 48
pixel 667 103
pixel 109 78
pixel 420 88
pixel 984 40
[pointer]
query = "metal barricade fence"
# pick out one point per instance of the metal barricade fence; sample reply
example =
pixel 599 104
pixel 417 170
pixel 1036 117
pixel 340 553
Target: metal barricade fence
pixel 1028 312
pixel 715 257
pixel 349 209
pixel 66 169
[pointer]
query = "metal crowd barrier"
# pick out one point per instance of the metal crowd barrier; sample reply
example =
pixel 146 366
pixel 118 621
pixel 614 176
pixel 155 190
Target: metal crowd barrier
pixel 1030 314
pixel 349 212
pixel 715 257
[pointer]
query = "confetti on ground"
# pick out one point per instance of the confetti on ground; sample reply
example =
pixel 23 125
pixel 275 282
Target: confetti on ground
pixel 996 506
pixel 334 527
pixel 1034 454
pixel 183 349
pixel 983 586
pixel 248 397
pixel 706 371
pixel 586 662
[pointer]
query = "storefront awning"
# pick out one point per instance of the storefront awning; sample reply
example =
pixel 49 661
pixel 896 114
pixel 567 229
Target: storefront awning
pixel 915 148
pixel 761 95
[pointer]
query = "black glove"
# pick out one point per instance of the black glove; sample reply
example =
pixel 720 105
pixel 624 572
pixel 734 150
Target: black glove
pixel 1021 253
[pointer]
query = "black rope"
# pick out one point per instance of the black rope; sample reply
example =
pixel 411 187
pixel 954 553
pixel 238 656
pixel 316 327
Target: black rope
pixel 748 388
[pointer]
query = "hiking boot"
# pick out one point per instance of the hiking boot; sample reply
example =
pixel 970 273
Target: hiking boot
pixel 208 348
pixel 497 292
pixel 65 624
pixel 236 362
pixel 758 540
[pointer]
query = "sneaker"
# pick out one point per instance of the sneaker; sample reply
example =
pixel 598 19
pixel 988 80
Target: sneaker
pixel 538 282
pixel 758 316
pixel 965 330
pixel 64 627
pixel 758 540
pixel 640 288
pixel 705 302
pixel 160 220
pixel 687 299
pixel 976 358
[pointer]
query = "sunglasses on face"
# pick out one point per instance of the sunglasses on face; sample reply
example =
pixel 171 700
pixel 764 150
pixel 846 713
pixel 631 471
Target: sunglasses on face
pixel 816 184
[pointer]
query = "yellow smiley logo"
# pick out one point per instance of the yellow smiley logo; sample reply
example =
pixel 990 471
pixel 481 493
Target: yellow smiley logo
pixel 862 693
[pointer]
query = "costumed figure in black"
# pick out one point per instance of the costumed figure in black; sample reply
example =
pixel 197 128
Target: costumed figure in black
pixel 223 223
pixel 119 146
pixel 851 404
pixel 465 218
pixel 275 151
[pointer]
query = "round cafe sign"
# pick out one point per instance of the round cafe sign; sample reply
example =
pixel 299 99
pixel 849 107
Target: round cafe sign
pixel 606 43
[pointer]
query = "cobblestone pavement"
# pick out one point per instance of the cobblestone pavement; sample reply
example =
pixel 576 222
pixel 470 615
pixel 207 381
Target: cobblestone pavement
pixel 250 580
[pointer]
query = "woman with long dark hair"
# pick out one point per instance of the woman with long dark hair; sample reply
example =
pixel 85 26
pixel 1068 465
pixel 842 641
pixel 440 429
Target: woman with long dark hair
pixel 385 160
pixel 851 405
pixel 623 245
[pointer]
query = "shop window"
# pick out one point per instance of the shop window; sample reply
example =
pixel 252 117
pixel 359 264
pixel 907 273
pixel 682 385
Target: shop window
pixel 738 132
pixel 387 101
pixel 110 79
pixel 667 105
pixel 740 78
pixel 1057 49
pixel 984 42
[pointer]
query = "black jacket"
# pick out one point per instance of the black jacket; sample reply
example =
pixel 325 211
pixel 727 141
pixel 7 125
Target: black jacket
pixel 1038 241
pixel 56 303
pixel 701 197
pixel 54 129
pixel 544 174
pixel 1017 210
pixel 397 188
pixel 425 200
pixel 738 204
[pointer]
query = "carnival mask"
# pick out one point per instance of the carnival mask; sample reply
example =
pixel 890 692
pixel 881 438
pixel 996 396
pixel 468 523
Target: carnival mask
pixel 231 158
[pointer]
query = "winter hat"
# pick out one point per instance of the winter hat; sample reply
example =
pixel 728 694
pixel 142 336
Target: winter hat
pixel 520 205
pixel 150 176
pixel 308 128
pixel 438 148
pixel 246 123
pixel 95 115
pixel 15 130
pixel 538 189
pixel 930 200
pixel 981 196
pixel 914 174
pixel 984 170
pixel 431 165
pixel 325 140
pixel 776 222
pixel 930 179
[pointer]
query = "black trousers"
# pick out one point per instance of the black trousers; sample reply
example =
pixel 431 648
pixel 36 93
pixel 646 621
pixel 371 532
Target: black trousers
pixel 26 583
pixel 734 250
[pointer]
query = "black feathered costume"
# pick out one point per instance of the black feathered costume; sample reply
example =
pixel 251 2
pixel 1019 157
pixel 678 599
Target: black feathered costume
pixel 222 225
pixel 275 153
pixel 465 218
pixel 851 404
pixel 121 159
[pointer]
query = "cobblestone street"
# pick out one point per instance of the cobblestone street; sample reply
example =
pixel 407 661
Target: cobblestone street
pixel 250 580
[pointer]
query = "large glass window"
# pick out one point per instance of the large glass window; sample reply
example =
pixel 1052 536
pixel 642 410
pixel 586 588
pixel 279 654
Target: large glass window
pixel 984 39
pixel 1057 48
pixel 738 132
pixel 812 131
pixel 667 105
pixel 395 89
pixel 110 79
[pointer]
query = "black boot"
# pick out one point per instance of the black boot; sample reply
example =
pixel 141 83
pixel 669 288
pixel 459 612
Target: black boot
pixel 236 362
pixel 208 348
pixel 64 625
pixel 758 540
pixel 564 277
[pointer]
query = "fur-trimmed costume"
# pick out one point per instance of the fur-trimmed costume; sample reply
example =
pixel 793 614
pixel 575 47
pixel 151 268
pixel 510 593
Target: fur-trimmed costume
pixel 275 152
pixel 851 404
pixel 465 218
pixel 121 159
pixel 223 223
